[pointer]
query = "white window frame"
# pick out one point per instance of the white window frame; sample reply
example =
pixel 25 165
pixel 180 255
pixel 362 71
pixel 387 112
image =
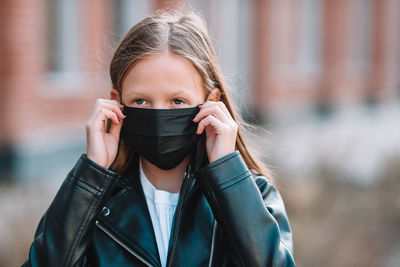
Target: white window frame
pixel 67 76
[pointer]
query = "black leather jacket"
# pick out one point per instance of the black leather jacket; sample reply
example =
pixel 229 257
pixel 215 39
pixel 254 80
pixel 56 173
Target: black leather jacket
pixel 226 216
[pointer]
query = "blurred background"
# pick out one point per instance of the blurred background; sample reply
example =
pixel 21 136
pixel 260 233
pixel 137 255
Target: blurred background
pixel 320 79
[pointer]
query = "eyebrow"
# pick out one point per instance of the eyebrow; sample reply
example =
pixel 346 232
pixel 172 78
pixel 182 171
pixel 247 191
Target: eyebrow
pixel 144 94
pixel 181 92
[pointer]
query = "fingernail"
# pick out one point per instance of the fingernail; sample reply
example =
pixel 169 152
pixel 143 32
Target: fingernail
pixel 199 105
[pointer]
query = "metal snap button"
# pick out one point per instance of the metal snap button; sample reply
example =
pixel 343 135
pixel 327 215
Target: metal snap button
pixel 105 211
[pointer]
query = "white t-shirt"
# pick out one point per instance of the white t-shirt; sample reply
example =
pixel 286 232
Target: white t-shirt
pixel 161 205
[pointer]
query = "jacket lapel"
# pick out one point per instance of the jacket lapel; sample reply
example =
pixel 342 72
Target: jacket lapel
pixel 130 219
pixel 191 229
pixel 194 232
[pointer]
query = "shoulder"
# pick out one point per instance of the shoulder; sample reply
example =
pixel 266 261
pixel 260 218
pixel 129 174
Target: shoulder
pixel 268 190
pixel 274 203
pixel 262 182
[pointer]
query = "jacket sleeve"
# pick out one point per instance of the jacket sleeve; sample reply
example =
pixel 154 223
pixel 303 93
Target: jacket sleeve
pixel 250 211
pixel 64 230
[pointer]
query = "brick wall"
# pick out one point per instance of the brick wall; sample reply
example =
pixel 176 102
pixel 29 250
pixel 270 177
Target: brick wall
pixel 338 82
pixel 34 107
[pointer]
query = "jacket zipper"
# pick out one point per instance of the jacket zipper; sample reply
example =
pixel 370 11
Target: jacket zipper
pixel 112 236
pixel 178 213
pixel 210 262
pixel 122 244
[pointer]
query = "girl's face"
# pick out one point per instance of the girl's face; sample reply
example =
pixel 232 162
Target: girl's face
pixel 163 81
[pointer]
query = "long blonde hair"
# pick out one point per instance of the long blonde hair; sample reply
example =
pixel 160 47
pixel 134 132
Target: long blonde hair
pixel 186 35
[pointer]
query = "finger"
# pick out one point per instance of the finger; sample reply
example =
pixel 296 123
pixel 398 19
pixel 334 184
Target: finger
pixel 223 107
pixel 220 107
pixel 103 102
pixel 210 120
pixel 104 113
pixel 115 129
pixel 109 101
pixel 214 110
pixel 220 104
pixel 112 101
pixel 114 109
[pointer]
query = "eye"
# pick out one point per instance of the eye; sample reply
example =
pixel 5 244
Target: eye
pixel 139 101
pixel 178 101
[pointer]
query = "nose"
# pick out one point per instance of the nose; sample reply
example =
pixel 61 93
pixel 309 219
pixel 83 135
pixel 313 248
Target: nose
pixel 159 105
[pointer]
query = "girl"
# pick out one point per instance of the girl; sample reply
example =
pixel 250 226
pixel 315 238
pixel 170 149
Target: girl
pixel 169 181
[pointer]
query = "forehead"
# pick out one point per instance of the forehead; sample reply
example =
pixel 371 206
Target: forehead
pixel 164 73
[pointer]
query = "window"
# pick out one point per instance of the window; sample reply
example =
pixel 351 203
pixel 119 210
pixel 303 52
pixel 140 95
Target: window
pixel 308 54
pixel 128 13
pixel 63 51
pixel 360 31
pixel 229 22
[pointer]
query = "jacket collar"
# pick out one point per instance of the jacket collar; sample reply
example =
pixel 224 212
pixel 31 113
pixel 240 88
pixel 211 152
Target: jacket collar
pixel 129 219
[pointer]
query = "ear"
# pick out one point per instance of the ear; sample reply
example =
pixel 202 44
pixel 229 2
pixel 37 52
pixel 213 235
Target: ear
pixel 214 95
pixel 114 95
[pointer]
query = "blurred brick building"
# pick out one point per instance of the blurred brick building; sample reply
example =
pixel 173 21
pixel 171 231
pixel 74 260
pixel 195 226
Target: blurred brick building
pixel 282 57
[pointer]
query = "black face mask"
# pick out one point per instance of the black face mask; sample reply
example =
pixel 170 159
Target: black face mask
pixel 162 136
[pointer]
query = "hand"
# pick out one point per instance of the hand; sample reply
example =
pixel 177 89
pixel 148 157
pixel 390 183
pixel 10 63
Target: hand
pixel 221 129
pixel 102 147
